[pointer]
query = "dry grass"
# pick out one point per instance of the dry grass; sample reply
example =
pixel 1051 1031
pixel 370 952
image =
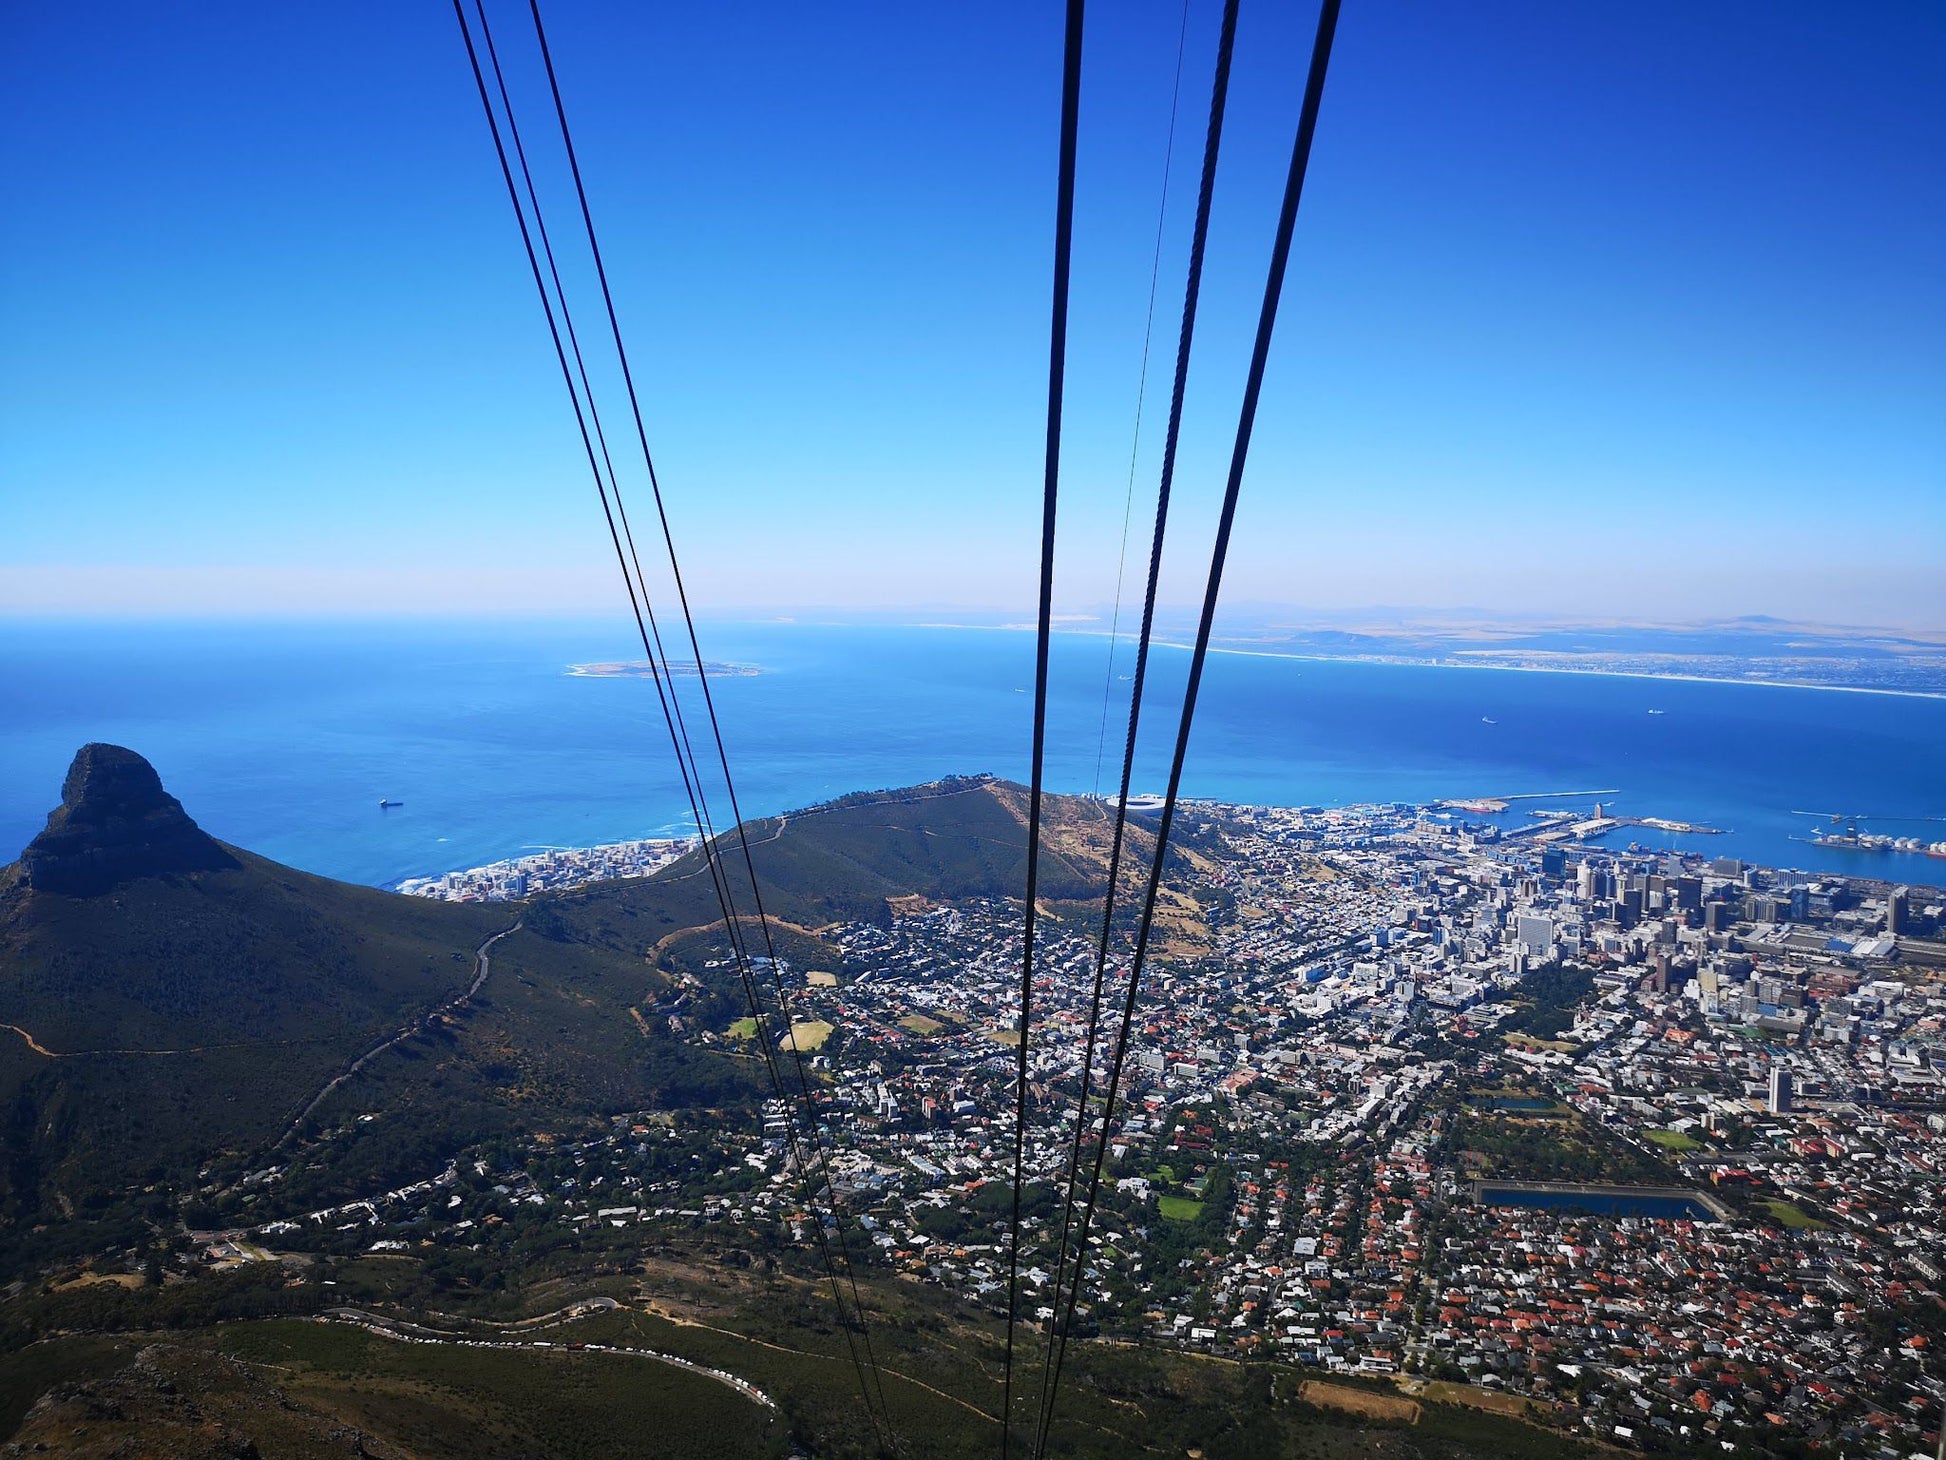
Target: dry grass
pixel 806 1036
pixel 1494 1402
pixel 1360 1402
pixel 94 1279
pixel 1528 1041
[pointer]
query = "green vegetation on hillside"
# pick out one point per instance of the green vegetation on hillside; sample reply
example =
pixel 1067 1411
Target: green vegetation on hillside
pixel 197 1015
pixel 291 1387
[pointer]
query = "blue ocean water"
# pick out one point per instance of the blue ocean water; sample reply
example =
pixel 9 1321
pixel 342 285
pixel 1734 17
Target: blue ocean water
pixel 283 739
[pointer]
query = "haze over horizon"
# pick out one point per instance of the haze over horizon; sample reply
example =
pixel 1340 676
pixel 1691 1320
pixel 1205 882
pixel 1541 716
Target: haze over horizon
pixel 1587 316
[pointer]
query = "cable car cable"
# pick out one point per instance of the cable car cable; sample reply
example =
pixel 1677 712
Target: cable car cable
pixel 1246 422
pixel 1192 293
pixel 1141 394
pixel 1050 496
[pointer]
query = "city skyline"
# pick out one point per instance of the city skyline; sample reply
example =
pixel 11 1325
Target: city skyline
pixel 1647 313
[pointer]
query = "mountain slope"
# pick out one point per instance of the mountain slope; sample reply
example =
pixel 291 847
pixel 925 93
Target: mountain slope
pixel 173 1003
pixel 181 1013
pixel 963 837
pixel 960 837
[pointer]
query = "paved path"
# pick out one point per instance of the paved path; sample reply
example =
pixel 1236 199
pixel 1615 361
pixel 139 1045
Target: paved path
pixel 482 966
pixel 668 1316
pixel 36 1047
pixel 32 1043
pixel 407 1332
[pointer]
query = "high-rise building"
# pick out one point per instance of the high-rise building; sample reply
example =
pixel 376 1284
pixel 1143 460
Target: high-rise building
pixel 1898 903
pixel 1780 1089
pixel 1534 935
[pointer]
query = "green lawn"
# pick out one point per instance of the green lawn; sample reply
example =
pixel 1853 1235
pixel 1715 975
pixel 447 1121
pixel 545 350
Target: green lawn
pixel 744 1028
pixel 1675 1140
pixel 1180 1208
pixel 1794 1217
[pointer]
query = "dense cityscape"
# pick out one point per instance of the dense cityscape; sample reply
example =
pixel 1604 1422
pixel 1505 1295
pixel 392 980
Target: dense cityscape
pixel 557 867
pixel 1653 1141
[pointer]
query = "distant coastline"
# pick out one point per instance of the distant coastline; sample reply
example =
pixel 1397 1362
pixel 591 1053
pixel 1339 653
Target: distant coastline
pixel 1613 664
pixel 677 668
pixel 1608 673
pixel 563 867
pixel 496 748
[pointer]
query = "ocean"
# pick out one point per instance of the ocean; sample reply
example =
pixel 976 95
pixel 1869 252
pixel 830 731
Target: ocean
pixel 284 738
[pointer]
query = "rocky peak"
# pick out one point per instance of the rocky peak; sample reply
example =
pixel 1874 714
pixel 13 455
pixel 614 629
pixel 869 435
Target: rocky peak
pixel 115 823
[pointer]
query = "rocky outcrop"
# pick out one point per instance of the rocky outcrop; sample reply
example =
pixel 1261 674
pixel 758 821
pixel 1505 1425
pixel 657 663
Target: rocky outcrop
pixel 115 823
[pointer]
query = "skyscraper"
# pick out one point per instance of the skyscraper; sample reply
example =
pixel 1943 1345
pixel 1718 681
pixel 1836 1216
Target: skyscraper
pixel 1780 1089
pixel 1897 909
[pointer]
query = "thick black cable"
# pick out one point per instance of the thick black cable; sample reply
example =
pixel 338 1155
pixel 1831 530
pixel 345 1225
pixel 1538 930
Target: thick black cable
pixel 1057 353
pixel 702 676
pixel 638 607
pixel 1240 452
pixel 1192 293
pixel 1141 395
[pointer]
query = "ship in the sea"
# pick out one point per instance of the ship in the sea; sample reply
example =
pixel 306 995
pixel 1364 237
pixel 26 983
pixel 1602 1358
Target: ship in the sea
pixel 1844 834
pixel 1851 839
pixel 386 805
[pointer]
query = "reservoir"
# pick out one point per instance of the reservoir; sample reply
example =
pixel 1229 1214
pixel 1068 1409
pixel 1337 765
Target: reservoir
pixel 1659 1203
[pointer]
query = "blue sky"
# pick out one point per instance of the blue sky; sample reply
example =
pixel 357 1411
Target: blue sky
pixel 1613 309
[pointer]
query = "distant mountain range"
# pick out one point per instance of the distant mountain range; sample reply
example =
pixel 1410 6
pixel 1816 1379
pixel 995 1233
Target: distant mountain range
pixel 1754 647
